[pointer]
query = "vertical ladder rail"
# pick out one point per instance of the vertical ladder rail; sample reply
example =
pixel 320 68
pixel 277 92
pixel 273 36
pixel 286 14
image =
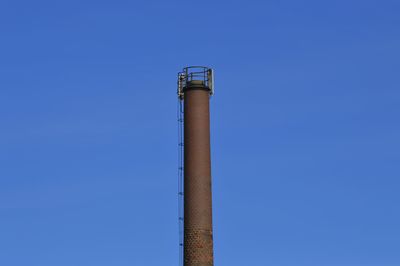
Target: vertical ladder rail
pixel 180 117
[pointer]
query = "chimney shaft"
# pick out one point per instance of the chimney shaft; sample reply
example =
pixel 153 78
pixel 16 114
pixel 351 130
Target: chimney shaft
pixel 198 233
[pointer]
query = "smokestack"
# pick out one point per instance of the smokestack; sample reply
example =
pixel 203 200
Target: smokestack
pixel 195 88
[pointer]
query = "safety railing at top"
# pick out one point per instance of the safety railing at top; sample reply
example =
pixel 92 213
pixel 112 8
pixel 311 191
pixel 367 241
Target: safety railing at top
pixel 198 73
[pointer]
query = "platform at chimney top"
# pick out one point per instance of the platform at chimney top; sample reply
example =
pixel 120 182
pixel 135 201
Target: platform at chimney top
pixel 195 78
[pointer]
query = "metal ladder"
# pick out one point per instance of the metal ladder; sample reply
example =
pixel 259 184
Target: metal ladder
pixel 180 117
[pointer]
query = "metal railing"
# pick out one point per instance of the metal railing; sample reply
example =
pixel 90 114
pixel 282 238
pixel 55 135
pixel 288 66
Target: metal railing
pixel 195 73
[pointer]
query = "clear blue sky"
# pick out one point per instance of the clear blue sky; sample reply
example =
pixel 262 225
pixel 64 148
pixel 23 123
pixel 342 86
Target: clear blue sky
pixel 305 130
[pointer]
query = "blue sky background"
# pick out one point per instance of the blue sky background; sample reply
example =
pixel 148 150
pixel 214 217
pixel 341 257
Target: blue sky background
pixel 305 130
